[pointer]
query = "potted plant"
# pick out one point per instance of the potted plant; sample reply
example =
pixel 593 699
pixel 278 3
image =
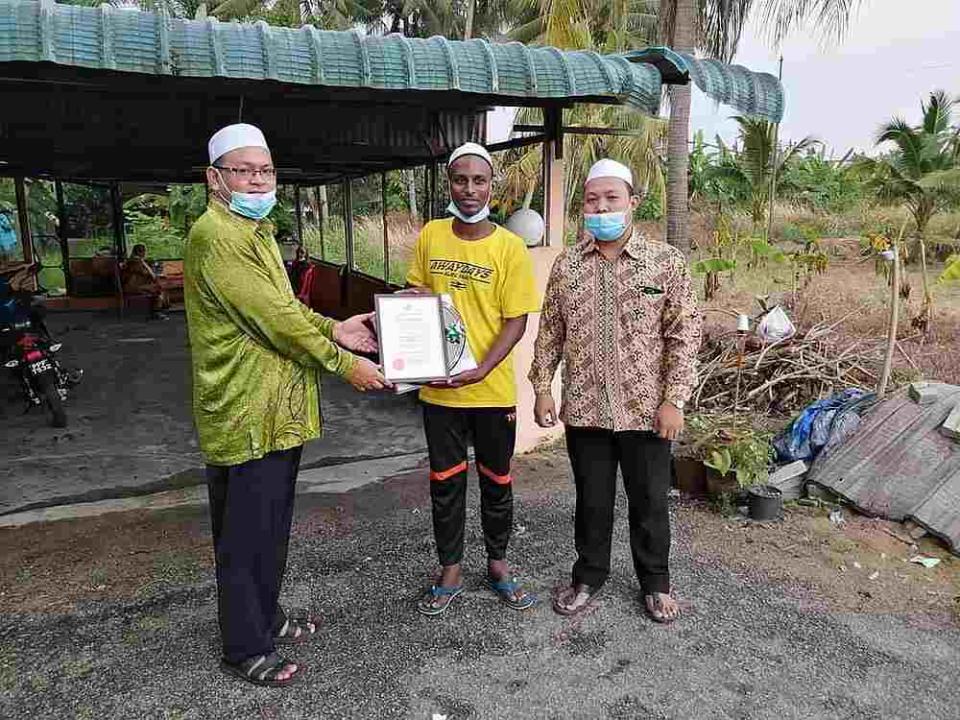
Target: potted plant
pixel 740 461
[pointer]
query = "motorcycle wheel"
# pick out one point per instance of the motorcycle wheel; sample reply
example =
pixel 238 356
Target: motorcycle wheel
pixel 52 401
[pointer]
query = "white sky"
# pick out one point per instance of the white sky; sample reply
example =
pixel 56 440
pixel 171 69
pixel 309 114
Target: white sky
pixel 894 55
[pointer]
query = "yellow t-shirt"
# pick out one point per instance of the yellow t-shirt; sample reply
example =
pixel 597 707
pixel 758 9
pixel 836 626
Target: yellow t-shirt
pixel 490 281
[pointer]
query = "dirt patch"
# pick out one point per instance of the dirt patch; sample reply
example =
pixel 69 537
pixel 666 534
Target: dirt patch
pixel 851 290
pixel 856 567
pixel 52 567
pixel 55 566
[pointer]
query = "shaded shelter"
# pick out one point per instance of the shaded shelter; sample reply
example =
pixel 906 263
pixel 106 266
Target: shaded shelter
pixel 116 94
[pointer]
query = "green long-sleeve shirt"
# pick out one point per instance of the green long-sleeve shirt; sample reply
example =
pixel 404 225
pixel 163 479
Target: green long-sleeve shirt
pixel 257 351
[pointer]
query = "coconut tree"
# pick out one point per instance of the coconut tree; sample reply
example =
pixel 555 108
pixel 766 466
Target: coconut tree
pixel 604 26
pixel 921 173
pixel 759 158
pixel 714 27
pixel 923 170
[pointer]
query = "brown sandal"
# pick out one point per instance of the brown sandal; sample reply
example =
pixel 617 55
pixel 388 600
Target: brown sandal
pixel 657 616
pixel 567 612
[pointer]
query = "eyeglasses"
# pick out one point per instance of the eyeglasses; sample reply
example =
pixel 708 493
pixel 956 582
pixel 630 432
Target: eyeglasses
pixel 249 173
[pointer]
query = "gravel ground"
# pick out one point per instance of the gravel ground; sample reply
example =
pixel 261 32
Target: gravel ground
pixel 747 646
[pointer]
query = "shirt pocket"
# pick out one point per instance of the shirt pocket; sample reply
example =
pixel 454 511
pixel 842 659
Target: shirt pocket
pixel 642 310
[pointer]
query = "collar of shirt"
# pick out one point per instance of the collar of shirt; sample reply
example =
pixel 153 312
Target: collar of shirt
pixel 633 248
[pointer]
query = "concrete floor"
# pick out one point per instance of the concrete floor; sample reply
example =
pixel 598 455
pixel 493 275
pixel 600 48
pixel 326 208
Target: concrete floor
pixel 130 429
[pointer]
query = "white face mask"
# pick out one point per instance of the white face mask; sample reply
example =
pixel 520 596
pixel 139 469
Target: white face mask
pixel 469 219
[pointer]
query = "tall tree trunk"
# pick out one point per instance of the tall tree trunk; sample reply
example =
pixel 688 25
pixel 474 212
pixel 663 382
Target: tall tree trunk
pixel 684 30
pixel 323 205
pixel 410 177
pixel 471 9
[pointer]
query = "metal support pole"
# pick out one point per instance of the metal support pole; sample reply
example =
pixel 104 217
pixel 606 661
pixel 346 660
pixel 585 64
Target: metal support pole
pixel 348 222
pixel 321 216
pixel 23 220
pixel 299 211
pixel 432 193
pixel 773 174
pixel 554 198
pixel 386 234
pixel 119 234
pixel 62 235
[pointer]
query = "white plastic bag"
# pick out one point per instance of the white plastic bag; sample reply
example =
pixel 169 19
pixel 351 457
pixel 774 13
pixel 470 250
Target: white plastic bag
pixel 776 326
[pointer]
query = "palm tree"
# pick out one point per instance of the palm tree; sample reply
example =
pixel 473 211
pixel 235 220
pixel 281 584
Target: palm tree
pixel 759 159
pixel 922 174
pixel 606 26
pixel 714 27
pixel 831 18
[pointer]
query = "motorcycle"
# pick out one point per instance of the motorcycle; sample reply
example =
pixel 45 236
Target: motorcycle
pixel 31 354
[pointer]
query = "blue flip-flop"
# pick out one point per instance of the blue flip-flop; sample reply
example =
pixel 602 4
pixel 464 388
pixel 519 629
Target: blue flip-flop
pixel 506 589
pixel 438 591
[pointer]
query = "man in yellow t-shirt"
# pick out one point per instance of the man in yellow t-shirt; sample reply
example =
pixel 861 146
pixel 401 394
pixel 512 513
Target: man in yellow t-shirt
pixel 487 272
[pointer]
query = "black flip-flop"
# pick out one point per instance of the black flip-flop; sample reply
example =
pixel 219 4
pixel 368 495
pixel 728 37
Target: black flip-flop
pixel 592 592
pixel 263 670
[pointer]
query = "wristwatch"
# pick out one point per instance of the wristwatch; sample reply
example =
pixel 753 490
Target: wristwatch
pixel 678 404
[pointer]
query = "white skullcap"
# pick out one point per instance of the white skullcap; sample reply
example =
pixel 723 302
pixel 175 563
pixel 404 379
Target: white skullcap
pixel 470 149
pixel 610 169
pixel 233 137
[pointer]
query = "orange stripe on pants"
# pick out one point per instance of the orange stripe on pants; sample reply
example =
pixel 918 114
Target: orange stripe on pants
pixel 447 474
pixel 498 479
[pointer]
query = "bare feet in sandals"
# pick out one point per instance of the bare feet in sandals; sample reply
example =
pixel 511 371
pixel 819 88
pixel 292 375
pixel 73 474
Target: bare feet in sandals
pixel 439 596
pixel 502 582
pixel 265 670
pixel 661 607
pixel 296 630
pixel 574 599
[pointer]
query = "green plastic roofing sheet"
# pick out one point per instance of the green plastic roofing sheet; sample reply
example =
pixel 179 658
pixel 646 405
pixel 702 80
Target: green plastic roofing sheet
pixel 131 41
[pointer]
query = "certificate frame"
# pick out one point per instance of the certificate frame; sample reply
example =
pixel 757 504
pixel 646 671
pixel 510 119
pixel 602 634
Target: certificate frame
pixel 387 306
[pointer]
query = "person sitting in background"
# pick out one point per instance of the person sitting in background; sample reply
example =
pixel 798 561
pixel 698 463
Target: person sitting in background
pixel 296 268
pixel 138 278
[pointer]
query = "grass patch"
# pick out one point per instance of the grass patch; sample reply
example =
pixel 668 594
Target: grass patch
pixel 144 629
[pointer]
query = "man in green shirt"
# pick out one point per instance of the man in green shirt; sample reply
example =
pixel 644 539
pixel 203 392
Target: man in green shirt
pixel 257 355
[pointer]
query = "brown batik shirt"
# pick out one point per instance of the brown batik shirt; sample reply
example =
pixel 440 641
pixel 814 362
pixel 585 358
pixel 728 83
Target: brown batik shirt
pixel 627 332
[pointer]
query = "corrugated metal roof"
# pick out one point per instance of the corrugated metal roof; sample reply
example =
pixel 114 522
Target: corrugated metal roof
pixel 899 466
pixel 131 41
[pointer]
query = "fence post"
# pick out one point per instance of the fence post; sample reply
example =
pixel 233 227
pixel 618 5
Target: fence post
pixel 386 234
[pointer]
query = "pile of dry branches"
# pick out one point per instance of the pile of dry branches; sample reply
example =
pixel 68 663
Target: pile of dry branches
pixel 739 372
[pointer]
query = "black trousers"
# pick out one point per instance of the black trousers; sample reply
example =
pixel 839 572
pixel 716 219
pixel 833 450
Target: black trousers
pixel 644 460
pixel 251 509
pixel 493 432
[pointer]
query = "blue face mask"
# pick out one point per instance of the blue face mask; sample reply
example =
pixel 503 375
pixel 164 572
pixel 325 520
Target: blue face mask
pixel 469 219
pixel 255 206
pixel 606 227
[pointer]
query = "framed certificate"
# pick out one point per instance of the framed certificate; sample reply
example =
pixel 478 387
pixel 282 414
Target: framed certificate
pixel 410 334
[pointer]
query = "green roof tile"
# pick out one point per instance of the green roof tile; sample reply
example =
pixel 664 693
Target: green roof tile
pixel 128 40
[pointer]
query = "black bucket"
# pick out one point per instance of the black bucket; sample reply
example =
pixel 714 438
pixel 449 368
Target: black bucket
pixel 766 502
